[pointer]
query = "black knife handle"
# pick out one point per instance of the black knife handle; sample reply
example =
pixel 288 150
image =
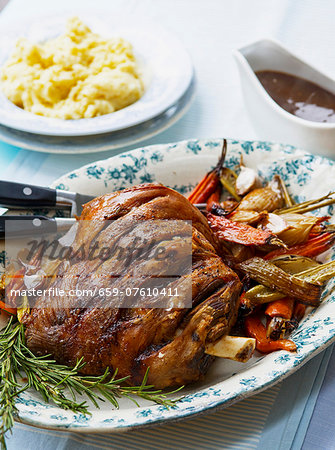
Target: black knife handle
pixel 26 195
pixel 25 226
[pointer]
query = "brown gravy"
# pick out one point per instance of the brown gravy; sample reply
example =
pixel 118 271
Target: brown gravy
pixel 300 97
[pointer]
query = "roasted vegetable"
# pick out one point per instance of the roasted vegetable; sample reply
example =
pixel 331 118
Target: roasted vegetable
pixel 267 199
pixel 248 217
pixel 309 205
pixel 312 247
pixel 8 309
pixel 281 308
pixel 246 181
pixel 320 273
pixel 210 182
pixel 261 294
pixel 298 311
pixel 276 279
pixel 214 199
pixel 228 181
pixel 275 328
pixel 241 233
pixel 298 227
pixel 295 264
pixel 278 327
pixel 241 252
pixel 274 224
pixel 287 198
pixel 254 328
pixel 321 227
pixel 280 312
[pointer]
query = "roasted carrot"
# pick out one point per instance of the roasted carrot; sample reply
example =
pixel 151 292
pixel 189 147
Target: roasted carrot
pixel 321 227
pixel 279 315
pixel 312 247
pixel 214 199
pixel 240 233
pixel 280 308
pixel 254 328
pixel 210 182
pixel 298 311
pixel 204 189
pixel 7 308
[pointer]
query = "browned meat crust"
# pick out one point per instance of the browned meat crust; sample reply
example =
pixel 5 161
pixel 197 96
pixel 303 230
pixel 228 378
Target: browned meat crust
pixel 170 341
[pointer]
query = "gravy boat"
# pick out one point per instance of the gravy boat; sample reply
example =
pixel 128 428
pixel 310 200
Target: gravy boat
pixel 269 119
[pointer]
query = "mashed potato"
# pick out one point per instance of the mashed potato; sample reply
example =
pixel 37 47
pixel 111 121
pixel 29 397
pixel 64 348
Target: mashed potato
pixel 77 75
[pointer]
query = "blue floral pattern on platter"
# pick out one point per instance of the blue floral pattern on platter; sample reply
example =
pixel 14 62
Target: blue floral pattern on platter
pixel 180 166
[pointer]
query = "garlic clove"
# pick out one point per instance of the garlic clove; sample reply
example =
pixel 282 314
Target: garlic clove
pixel 246 180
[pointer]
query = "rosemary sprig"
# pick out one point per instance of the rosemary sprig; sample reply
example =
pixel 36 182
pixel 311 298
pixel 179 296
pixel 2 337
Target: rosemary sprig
pixel 52 380
pixel 8 387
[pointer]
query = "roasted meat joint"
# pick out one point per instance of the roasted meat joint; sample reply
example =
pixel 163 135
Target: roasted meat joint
pixel 107 333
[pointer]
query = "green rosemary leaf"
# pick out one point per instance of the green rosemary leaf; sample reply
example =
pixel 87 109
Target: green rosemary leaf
pixel 53 381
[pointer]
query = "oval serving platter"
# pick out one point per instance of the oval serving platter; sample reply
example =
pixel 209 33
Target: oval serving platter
pixel 180 166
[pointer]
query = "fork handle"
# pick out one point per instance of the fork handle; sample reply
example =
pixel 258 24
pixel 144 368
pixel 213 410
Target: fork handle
pixel 17 195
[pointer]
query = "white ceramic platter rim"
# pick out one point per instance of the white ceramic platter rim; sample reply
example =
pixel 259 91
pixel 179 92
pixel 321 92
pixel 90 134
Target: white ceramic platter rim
pixel 303 173
pixel 166 65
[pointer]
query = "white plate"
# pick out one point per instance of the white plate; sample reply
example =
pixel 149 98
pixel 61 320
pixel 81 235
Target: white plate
pixel 165 63
pixel 100 142
pixel 180 166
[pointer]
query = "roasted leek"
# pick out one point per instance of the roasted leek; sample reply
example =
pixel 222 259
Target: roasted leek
pixel 276 279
